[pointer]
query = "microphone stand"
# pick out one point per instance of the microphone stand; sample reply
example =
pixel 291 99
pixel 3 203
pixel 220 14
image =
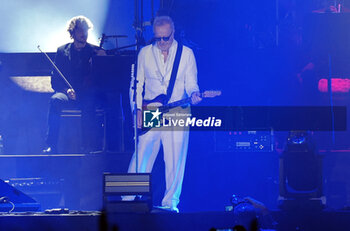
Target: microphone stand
pixel 138 25
pixel 134 74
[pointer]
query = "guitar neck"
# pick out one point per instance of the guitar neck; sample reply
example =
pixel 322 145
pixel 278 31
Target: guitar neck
pixel 206 94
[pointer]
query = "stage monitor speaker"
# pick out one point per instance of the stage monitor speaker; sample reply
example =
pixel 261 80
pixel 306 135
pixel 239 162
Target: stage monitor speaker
pixel 14 200
pixel 137 185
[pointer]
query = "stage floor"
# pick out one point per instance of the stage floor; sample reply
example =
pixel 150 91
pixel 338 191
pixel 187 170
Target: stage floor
pixel 95 221
pixel 74 181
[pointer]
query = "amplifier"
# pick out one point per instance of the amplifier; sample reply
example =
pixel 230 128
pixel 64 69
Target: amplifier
pixel 244 141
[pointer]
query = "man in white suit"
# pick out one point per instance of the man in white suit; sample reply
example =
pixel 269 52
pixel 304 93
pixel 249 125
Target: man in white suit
pixel 155 63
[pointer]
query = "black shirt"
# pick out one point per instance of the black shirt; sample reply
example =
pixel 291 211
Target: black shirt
pixel 75 66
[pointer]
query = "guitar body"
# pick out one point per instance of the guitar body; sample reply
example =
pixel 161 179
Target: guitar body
pixel 156 102
pixel 151 104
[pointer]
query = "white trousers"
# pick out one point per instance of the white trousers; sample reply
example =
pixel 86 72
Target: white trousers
pixel 175 145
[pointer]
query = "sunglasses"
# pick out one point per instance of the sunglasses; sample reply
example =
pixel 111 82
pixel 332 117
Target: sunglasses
pixel 165 39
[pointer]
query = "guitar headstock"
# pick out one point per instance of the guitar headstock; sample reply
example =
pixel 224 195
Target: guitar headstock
pixel 211 94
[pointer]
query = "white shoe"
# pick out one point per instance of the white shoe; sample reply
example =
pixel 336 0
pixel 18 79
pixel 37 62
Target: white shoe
pixel 167 209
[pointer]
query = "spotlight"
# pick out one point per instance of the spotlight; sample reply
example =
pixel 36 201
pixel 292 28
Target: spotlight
pixel 300 173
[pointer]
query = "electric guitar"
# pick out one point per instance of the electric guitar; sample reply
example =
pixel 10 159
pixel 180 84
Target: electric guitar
pixel 158 103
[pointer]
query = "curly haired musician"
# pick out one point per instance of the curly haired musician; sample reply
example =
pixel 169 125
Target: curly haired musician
pixel 74 61
pixel 155 63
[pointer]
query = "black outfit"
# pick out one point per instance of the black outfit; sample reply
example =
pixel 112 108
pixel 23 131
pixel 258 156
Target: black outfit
pixel 76 67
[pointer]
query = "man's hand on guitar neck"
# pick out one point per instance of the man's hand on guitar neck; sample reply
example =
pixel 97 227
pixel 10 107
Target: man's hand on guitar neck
pixel 196 97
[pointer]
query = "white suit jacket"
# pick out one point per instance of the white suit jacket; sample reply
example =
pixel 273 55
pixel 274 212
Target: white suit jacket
pixel 154 75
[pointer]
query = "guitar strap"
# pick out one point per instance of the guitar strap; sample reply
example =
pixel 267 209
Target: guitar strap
pixel 174 72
